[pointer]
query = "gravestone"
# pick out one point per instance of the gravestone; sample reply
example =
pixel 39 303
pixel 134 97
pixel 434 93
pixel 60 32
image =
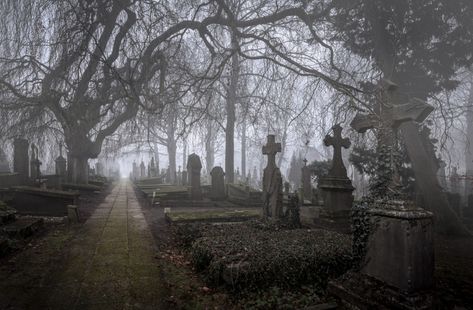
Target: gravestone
pixel 184 178
pixel 287 188
pixel 306 184
pixel 168 175
pixel 179 176
pixel 61 165
pixel 398 250
pixel 194 166
pixel 99 169
pixel 21 163
pixel 218 184
pixel 135 172
pixel 4 166
pixel 142 170
pixel 335 187
pixel 35 164
pixel 152 168
pixel 272 182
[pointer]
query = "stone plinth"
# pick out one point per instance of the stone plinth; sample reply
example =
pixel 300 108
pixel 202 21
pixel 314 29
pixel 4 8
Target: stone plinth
pixel 337 195
pixel 400 248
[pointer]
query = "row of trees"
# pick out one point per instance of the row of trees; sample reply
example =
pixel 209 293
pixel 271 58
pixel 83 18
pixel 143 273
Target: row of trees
pixel 146 71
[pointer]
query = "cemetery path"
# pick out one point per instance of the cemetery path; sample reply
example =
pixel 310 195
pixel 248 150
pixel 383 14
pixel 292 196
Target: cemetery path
pixel 111 262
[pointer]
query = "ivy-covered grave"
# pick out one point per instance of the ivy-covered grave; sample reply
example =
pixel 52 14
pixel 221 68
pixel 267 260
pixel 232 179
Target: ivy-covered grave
pixel 263 263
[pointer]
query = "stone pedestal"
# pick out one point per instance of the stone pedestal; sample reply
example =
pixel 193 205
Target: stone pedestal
pixel 337 196
pixel 398 267
pixel 400 249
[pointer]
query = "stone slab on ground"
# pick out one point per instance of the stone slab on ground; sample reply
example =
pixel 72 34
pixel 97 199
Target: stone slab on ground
pixel 39 202
pixel 212 216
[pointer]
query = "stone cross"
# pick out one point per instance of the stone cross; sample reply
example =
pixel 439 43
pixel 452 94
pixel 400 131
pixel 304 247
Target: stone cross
pixel 392 113
pixel 271 149
pixel 389 114
pixel 272 182
pixel 338 168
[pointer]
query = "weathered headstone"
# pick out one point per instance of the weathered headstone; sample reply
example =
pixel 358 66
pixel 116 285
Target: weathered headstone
pixel 135 172
pixel 99 169
pixel 272 182
pixel 184 178
pixel 218 183
pixel 194 166
pixel 61 165
pixel 35 164
pixel 152 168
pixel 21 163
pixel 306 184
pixel 398 249
pixel 4 165
pixel 336 188
pixel 179 176
pixel 142 170
pixel 287 188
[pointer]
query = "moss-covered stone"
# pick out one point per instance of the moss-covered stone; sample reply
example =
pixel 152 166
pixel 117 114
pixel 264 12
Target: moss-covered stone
pixel 212 216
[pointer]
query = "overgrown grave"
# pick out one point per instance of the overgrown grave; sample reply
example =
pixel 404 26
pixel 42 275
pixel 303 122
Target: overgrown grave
pixel 252 258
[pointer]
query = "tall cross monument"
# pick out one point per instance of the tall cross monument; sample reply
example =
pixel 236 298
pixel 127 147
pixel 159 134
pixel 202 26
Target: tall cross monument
pixel 272 181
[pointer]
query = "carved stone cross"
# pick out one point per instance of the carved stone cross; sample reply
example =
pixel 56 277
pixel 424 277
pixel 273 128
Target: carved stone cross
pixel 338 168
pixel 389 114
pixel 271 149
pixel 392 113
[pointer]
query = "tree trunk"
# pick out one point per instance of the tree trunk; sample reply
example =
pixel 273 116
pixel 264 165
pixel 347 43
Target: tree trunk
pixel 243 149
pixel 172 147
pixel 230 126
pixel 184 155
pixel 80 170
pixel 209 147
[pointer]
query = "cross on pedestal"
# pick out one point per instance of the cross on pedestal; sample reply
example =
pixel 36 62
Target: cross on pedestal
pixel 392 113
pixel 389 115
pixel 271 149
pixel 338 168
pixel 305 162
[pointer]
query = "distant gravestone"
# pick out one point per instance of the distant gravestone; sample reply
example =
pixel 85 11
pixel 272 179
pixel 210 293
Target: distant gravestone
pixel 152 168
pixel 194 166
pixel 35 164
pixel 142 170
pixel 135 172
pixel 306 185
pixel 287 188
pixel 61 164
pixel 21 163
pixel 218 183
pixel 336 188
pixel 272 182
pixel 179 176
pixel 4 166
pixel 99 169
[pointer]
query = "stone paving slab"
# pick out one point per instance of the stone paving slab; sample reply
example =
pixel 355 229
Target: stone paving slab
pixel 111 262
